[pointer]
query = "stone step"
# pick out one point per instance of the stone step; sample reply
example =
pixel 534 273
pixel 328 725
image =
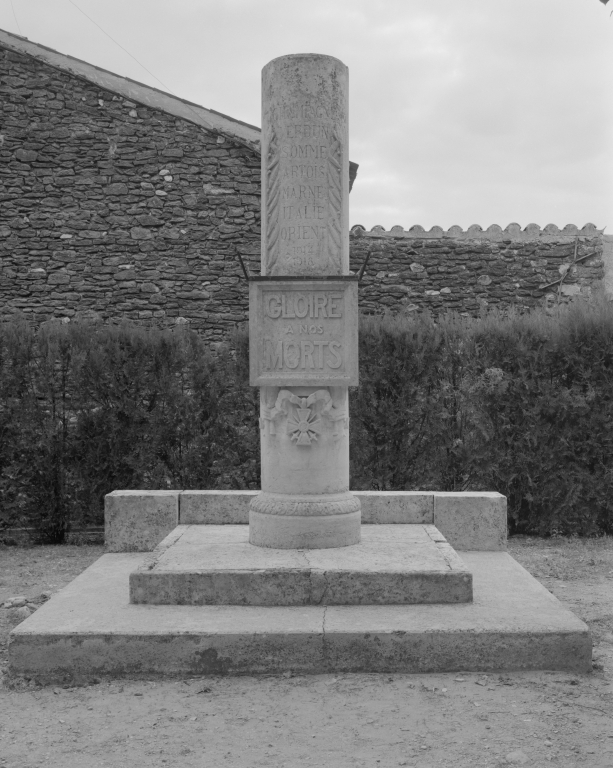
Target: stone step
pixel 90 629
pixel 216 565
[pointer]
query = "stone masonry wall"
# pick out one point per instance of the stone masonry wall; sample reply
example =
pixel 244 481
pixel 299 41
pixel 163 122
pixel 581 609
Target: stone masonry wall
pixel 109 209
pixel 468 271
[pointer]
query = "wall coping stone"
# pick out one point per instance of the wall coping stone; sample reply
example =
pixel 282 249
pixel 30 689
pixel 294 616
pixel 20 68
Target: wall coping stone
pixel 472 520
pixel 494 233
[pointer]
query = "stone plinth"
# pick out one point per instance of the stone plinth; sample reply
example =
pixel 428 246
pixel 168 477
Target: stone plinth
pixel 216 565
pixel 90 629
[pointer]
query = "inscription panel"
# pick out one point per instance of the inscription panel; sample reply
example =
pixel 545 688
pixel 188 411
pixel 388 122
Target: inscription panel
pixel 303 332
pixel 305 168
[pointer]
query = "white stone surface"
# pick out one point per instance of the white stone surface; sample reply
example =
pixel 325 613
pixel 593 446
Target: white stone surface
pixel 214 507
pixel 305 233
pixel 476 520
pixel 305 470
pixel 472 521
pixel 136 521
pixel 406 507
pixel 303 332
pixel 305 166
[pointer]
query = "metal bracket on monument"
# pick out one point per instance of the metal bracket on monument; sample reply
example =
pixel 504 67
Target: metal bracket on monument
pixel 245 268
pixel 303 425
pixel 362 270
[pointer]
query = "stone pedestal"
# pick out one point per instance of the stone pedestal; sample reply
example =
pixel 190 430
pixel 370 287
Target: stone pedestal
pixel 303 317
pixel 215 565
pixel 305 501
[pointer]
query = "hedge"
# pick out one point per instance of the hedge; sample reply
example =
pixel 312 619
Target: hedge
pixel 520 404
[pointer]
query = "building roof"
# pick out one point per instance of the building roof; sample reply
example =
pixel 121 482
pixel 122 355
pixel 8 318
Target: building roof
pixel 140 93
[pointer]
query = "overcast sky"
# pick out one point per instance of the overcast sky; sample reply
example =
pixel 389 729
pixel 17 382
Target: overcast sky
pixel 461 111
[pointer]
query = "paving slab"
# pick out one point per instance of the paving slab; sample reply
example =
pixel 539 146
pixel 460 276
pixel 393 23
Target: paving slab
pixel 216 565
pixel 90 629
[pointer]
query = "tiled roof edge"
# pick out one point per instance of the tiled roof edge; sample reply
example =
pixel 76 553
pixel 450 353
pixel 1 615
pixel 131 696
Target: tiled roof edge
pixel 475 232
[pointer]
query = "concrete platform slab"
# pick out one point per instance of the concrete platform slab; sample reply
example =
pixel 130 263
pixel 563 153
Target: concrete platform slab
pixel 216 565
pixel 90 629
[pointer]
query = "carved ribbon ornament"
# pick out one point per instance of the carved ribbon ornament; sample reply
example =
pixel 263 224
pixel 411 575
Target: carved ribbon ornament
pixel 304 423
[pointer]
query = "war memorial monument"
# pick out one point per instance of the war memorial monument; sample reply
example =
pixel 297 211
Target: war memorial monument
pixel 304 576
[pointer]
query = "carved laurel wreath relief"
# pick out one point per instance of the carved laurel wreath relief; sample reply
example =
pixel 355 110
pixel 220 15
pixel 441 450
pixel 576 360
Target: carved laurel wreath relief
pixel 306 416
pixel 334 239
pixel 273 192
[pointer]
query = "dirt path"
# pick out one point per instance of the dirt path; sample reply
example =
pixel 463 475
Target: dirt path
pixel 459 720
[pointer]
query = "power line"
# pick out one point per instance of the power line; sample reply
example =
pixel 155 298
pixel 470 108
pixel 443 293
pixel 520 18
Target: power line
pixel 199 118
pixel 121 46
pixel 16 22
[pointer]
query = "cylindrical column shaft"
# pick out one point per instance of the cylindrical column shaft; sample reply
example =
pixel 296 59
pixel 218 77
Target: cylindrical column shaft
pixel 305 501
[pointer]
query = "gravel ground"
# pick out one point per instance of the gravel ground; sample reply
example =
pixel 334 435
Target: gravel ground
pixel 460 720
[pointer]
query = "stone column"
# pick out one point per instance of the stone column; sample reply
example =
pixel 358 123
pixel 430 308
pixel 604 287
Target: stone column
pixel 311 336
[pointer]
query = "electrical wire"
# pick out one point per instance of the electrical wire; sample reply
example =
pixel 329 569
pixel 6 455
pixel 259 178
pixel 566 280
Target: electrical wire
pixel 15 16
pixel 199 119
pixel 122 48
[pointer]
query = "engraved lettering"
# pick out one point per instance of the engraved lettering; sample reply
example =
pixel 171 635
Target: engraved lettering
pixel 304 151
pixel 319 344
pixel 291 360
pixel 285 310
pixel 305 172
pixel 270 310
pixel 273 355
pixel 297 131
pixel 303 192
pixel 303 212
pixel 301 232
pixel 333 309
pixel 333 346
pixel 306 348
pixel 304 112
pixel 320 305
pixel 314 305
pixel 301 306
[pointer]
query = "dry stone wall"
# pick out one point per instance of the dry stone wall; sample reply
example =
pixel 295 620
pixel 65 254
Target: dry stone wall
pixel 473 269
pixel 110 209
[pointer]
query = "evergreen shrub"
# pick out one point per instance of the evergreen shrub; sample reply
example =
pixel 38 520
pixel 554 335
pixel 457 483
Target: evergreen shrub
pixel 516 403
pixel 88 409
pixel 520 404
